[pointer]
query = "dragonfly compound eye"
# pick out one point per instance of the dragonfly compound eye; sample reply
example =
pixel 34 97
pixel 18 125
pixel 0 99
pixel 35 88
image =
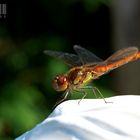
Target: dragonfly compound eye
pixel 60 83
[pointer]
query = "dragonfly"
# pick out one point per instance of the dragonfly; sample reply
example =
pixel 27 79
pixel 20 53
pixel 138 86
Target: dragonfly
pixel 86 67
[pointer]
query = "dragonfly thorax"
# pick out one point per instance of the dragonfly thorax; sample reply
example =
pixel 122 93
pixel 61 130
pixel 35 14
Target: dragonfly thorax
pixel 79 76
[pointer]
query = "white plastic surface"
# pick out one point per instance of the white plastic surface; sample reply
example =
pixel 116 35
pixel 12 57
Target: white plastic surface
pixel 92 119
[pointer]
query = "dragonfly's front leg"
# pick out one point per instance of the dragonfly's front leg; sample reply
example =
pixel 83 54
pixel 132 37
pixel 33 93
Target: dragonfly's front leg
pixel 63 99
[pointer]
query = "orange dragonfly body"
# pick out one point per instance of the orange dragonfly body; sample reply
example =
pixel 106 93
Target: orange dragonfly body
pixel 86 67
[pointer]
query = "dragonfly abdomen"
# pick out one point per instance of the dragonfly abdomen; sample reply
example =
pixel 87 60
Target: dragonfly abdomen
pixel 109 65
pixel 99 70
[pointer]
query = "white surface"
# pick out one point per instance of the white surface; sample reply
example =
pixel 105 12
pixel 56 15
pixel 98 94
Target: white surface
pixel 92 119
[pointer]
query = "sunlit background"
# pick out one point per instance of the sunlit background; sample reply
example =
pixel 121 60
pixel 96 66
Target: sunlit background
pixel 30 27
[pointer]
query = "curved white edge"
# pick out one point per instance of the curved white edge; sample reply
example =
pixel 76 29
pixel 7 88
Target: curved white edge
pixel 92 119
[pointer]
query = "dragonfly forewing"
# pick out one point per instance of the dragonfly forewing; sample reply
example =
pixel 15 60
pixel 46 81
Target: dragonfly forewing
pixel 83 57
pixel 86 56
pixel 68 58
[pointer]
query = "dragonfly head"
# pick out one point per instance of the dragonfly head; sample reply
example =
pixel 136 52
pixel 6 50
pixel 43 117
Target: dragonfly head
pixel 60 83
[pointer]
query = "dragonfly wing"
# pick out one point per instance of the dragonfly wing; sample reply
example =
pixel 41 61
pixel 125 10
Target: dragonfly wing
pixel 121 54
pixel 70 59
pixel 86 56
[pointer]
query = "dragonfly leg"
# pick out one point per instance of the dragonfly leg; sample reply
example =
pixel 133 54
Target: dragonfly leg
pixel 64 98
pixel 94 89
pixel 85 93
pixel 101 95
pixel 81 91
pixel 94 92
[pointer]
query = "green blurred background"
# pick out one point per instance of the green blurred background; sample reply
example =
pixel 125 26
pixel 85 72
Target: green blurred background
pixel 30 27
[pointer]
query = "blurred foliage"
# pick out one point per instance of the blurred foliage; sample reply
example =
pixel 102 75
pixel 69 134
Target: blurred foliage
pixel 26 94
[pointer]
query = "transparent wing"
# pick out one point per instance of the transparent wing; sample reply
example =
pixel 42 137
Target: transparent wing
pixel 70 59
pixel 121 54
pixel 86 56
